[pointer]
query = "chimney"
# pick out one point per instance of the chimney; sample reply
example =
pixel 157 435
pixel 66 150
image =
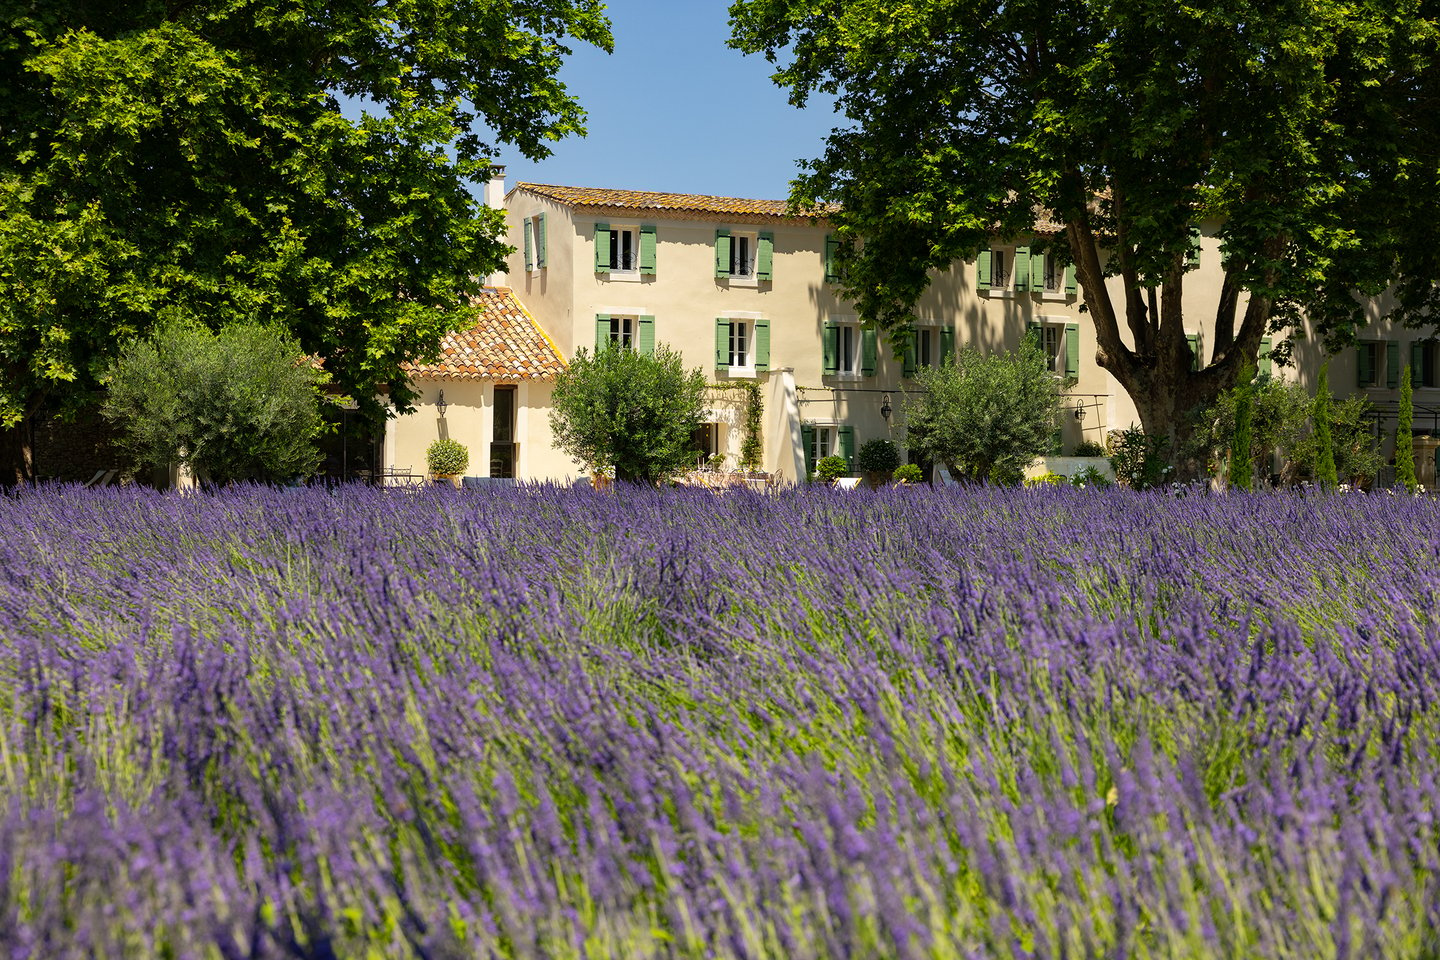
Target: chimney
pixel 495 197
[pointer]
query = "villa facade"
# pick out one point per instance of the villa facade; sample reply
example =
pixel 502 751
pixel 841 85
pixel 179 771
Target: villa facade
pixel 747 293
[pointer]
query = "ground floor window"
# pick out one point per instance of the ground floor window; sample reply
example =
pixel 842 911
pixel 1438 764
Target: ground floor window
pixel 504 451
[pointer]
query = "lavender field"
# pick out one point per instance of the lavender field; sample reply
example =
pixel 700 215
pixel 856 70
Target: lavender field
pixel 554 723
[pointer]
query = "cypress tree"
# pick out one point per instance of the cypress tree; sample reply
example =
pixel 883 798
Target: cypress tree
pixel 1404 437
pixel 1242 467
pixel 1324 442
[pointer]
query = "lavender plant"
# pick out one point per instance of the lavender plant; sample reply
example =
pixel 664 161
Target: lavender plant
pixel 543 722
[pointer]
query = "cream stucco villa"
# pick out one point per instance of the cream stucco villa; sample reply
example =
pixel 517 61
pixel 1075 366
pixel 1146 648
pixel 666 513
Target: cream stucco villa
pixel 746 293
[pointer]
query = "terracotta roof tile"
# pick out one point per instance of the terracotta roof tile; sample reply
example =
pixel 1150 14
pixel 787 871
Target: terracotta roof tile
pixel 504 343
pixel 672 205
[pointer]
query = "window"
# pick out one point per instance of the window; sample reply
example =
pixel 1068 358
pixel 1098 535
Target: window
pixel 744 257
pixel 1054 279
pixel 503 449
pixel 849 350
pixel 1423 363
pixel 1005 271
pixel 742 344
pixel 821 440
pixel 929 346
pixel 999 269
pixel 1369 361
pixel 535 252
pixel 1060 343
pixel 624 252
pixel 625 330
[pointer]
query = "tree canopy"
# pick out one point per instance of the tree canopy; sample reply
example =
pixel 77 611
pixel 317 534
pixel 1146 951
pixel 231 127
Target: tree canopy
pixel 163 160
pixel 1303 133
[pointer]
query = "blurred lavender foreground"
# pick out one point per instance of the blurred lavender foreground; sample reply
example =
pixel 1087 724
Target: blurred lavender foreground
pixel 544 722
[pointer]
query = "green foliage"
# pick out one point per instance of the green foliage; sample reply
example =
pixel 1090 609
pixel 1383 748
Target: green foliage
pixel 909 473
pixel 1325 473
pixel 1242 463
pixel 1139 460
pixel 1288 131
pixel 1090 477
pixel 621 410
pixel 1089 448
pixel 984 413
pixel 832 468
pixel 164 160
pixel 1045 480
pixel 877 456
pixel 447 458
pixel 752 445
pixel 242 404
pixel 1405 436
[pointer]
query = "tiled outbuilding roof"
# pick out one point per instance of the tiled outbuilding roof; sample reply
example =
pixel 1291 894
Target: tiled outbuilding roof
pixel 671 205
pixel 504 343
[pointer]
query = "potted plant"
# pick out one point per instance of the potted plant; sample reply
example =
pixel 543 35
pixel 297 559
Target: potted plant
pixel 877 459
pixel 447 460
pixel 832 468
pixel 909 473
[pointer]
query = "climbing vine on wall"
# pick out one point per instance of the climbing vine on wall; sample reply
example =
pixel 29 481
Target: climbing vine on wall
pixel 752 442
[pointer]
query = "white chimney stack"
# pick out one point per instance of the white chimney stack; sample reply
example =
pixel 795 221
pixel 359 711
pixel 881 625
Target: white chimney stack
pixel 495 198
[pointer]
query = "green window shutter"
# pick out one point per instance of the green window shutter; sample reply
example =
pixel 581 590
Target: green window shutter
pixel 762 345
pixel 1417 363
pixel 646 336
pixel 982 270
pixel 647 250
pixel 602 332
pixel 1070 288
pixel 1022 268
pixel 947 344
pixel 602 248
pixel 846 436
pixel 722 341
pixel 1266 367
pixel 869 359
pixel 722 252
pixel 1037 272
pixel 1194 340
pixel 1034 332
pixel 542 244
pixel 765 255
pixel 807 446
pixel 1057 442
pixel 910 362
pixel 1364 376
pixel 832 248
pixel 1193 260
pixel 529 246
pixel 831 345
pixel 1072 349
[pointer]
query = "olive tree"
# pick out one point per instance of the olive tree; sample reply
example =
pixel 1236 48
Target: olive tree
pixel 623 410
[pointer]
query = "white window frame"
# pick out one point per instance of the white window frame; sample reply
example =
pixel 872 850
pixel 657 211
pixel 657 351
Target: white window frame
pixel 854 358
pixel 748 319
pixel 750 263
pixel 928 335
pixel 1005 256
pixel 1054 273
pixel 625 330
pixel 830 445
pixel 1054 359
pixel 533 222
pixel 618 233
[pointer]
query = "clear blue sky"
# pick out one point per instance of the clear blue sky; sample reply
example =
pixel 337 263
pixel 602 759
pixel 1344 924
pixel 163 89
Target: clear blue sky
pixel 674 109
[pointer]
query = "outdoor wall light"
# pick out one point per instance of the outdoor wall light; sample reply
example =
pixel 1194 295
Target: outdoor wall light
pixel 885 408
pixel 440 403
pixel 1080 410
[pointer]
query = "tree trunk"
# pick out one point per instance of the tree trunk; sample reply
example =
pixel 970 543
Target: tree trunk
pixel 17 447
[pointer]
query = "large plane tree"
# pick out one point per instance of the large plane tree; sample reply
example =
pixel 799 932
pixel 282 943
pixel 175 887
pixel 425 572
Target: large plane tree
pixel 1303 132
pixel 191 160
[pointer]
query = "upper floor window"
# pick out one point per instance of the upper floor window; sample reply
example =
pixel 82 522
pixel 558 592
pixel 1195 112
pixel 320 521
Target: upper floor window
pixel 535 242
pixel 744 257
pixel 929 346
pixel 1370 358
pixel 742 344
pixel 1005 271
pixel 625 330
pixel 1060 343
pixel 624 252
pixel 849 349
pixel 1423 363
